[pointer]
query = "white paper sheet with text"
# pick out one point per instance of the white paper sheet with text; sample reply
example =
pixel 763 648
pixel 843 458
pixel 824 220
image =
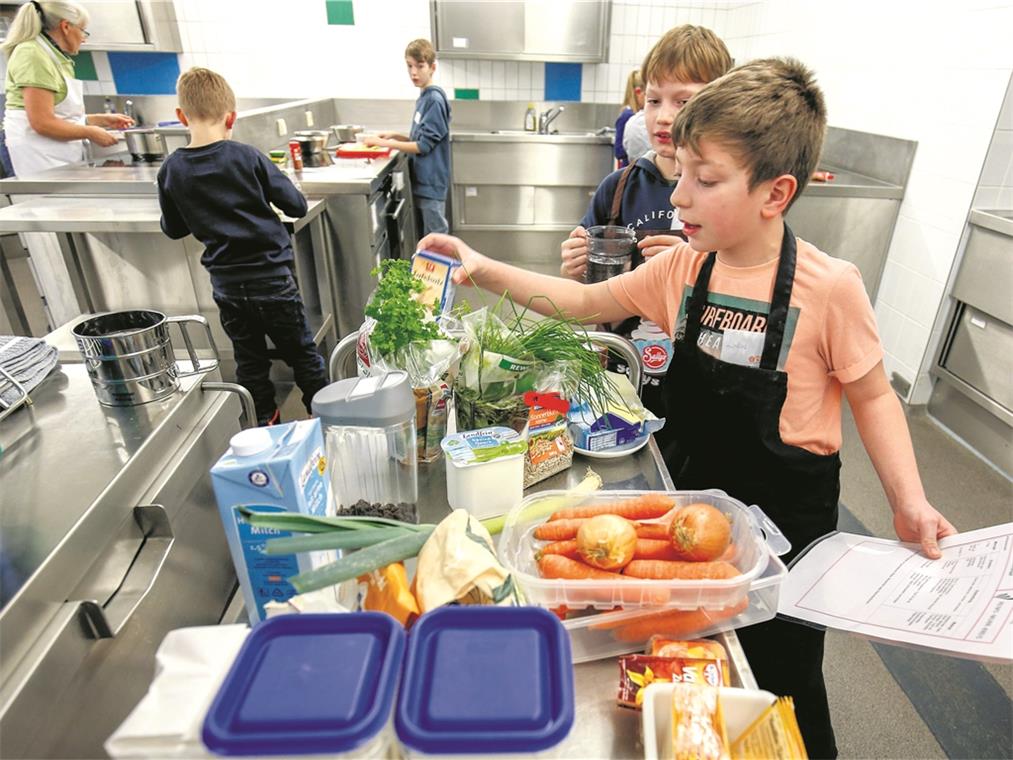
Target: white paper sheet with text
pixel 961 604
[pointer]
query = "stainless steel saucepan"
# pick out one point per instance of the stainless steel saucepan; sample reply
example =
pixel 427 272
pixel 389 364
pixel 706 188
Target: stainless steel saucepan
pixel 145 144
pixel 346 133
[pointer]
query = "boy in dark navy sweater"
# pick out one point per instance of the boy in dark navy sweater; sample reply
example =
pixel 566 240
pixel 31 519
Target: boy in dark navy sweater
pixel 221 192
pixel 428 143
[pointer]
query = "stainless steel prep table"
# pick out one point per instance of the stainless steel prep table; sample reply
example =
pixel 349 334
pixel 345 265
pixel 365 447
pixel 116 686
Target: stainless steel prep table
pixel 111 538
pixel 601 728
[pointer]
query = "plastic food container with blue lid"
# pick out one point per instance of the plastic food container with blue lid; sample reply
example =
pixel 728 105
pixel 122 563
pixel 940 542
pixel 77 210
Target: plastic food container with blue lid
pixel 310 685
pixel 485 681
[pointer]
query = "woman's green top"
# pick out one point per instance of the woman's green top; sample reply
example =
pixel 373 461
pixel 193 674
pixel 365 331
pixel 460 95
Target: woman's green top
pixel 31 66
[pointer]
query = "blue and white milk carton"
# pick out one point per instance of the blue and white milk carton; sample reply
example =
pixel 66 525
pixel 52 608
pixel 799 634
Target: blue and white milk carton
pixel 271 469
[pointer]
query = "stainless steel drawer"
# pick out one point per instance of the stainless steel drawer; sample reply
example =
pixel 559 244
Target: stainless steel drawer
pixel 981 354
pixel 985 279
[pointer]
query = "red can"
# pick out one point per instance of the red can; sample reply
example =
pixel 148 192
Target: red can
pixel 296 150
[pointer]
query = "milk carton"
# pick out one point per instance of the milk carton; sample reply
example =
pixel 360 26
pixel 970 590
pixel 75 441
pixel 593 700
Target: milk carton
pixel 271 469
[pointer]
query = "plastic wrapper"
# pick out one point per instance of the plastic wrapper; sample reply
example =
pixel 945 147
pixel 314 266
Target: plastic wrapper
pixel 458 565
pixel 698 726
pixel 638 671
pixel 431 367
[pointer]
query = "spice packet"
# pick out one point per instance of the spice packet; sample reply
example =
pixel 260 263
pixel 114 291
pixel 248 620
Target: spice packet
pixel 697 649
pixel 774 734
pixel 698 724
pixel 550 447
pixel 431 419
pixel 638 671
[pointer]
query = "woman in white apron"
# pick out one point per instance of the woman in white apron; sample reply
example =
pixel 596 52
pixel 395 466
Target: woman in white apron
pixel 45 124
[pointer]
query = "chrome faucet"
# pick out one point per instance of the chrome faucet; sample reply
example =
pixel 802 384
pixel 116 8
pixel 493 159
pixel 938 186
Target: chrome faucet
pixel 547 117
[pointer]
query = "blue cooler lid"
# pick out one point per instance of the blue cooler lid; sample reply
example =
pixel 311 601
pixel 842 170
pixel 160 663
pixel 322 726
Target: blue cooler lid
pixel 481 680
pixel 308 684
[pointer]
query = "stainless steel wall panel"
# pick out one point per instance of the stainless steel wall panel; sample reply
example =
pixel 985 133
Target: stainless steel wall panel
pixel 494 204
pixel 562 205
pixel 985 279
pixel 858 230
pixel 970 421
pixel 519 163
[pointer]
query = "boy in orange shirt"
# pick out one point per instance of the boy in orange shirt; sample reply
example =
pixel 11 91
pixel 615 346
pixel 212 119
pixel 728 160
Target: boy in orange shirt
pixel 768 333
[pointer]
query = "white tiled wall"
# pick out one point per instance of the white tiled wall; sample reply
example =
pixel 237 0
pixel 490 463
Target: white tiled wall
pixel 935 72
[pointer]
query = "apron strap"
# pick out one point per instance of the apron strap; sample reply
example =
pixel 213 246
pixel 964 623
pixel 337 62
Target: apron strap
pixel 779 301
pixel 617 197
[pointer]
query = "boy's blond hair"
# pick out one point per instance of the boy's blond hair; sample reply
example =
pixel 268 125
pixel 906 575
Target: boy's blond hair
pixel 686 53
pixel 632 83
pixel 421 50
pixel 768 113
pixel 204 94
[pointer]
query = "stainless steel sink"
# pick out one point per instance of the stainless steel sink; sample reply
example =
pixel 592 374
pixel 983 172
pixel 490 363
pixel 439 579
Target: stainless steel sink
pixel 520 135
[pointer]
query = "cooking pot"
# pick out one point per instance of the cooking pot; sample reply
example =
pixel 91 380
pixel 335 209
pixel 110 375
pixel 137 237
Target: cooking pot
pixel 174 137
pixel 145 144
pixel 129 356
pixel 312 140
pixel 346 133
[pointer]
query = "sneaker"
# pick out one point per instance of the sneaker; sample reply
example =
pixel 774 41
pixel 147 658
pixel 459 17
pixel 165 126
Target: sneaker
pixel 274 419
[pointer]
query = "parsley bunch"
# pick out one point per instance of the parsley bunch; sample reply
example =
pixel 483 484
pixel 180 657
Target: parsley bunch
pixel 400 319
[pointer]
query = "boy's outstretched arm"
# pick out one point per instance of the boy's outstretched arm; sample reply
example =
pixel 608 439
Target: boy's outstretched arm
pixel 884 432
pixel 587 303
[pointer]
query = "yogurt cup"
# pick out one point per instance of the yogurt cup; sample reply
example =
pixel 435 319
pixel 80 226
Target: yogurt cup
pixel 485 470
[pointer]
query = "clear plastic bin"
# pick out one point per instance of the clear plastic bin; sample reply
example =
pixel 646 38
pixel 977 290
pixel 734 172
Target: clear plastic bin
pixel 597 635
pixel 518 546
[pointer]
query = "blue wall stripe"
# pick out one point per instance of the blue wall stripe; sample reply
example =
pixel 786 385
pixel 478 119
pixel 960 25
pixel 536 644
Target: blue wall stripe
pixel 145 73
pixel 562 81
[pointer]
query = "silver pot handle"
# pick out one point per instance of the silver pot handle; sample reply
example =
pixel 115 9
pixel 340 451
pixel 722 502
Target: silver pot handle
pixel 197 368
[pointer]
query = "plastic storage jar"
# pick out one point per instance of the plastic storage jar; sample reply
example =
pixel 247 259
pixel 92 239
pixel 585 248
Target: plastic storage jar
pixel 753 550
pixel 485 681
pixel 310 685
pixel 485 470
pixel 369 435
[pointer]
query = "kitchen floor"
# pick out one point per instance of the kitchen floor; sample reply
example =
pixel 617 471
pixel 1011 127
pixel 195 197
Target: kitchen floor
pixel 891 702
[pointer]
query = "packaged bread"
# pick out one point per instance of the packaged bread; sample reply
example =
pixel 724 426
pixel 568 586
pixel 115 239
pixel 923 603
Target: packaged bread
pixel 698 725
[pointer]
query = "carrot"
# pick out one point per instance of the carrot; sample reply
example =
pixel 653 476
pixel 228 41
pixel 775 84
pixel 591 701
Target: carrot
pixel 656 531
pixel 649 548
pixel 645 507
pixel 665 569
pixel 560 530
pixel 558 566
pixel 563 530
pixel 676 622
pixel 566 548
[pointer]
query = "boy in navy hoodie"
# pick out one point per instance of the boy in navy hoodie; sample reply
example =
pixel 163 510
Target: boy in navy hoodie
pixel 429 140
pixel 221 192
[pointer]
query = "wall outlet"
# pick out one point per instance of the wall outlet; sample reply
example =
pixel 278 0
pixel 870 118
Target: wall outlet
pixel 309 118
pixel 282 127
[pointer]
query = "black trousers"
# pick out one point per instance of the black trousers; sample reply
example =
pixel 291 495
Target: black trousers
pixel 253 310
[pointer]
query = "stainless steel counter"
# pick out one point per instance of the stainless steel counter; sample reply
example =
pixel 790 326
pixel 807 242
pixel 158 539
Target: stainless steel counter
pixel 848 184
pixel 997 220
pixel 352 176
pixel 110 539
pixel 102 214
pixel 601 728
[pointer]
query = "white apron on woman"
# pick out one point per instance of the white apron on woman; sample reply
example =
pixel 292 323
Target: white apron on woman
pixel 30 154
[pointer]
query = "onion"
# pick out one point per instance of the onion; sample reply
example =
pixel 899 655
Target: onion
pixel 700 533
pixel 607 541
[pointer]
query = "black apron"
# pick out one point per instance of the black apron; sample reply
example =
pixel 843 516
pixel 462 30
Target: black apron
pixel 724 434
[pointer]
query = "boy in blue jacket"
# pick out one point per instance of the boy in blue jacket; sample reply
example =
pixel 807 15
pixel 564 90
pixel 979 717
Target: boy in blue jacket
pixel 429 140
pixel 221 192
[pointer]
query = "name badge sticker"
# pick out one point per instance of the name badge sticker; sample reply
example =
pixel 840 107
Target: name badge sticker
pixel 743 347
